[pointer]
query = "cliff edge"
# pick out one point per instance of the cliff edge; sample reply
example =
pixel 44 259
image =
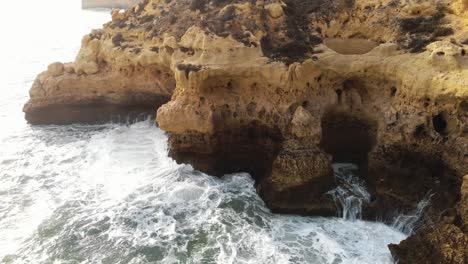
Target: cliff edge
pixel 282 89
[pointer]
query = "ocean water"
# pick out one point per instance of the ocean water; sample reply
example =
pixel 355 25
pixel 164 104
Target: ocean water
pixel 109 194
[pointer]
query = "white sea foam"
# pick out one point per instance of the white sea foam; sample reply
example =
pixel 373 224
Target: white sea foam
pixel 110 193
pixel 351 192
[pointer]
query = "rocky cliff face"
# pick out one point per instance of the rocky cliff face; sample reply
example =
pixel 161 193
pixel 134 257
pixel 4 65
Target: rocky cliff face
pixel 282 89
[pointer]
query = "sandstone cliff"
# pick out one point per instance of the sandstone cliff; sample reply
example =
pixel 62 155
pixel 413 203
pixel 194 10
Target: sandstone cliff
pixel 282 89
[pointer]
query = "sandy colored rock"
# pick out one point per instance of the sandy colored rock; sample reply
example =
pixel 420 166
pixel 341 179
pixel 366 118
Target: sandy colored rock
pixel 242 86
pixel 350 46
pixel 55 69
pixel 302 123
pixel 274 10
pixel 441 244
pixel 423 8
pixel 464 3
pixel 463 204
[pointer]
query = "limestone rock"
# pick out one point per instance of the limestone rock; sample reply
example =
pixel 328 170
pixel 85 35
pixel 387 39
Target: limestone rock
pixel 443 244
pixel 68 68
pixel 446 55
pixel 274 10
pixel 281 89
pixel 116 15
pixel 350 46
pixel 463 204
pixel 423 8
pixel 55 69
pixel 86 61
pixel 464 3
pixel 299 181
pixel 302 123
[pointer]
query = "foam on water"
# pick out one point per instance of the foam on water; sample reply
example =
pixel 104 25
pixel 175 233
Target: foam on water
pixel 351 191
pixel 109 193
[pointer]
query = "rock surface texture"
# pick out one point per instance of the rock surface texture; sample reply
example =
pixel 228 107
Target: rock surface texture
pixel 282 89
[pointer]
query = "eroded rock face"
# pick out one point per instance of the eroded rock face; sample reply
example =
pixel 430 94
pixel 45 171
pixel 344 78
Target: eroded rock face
pixel 444 243
pixel 282 89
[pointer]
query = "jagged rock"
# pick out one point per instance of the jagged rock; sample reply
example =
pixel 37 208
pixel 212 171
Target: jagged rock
pixel 86 61
pixel 300 178
pixel 244 86
pixel 445 243
pixel 302 123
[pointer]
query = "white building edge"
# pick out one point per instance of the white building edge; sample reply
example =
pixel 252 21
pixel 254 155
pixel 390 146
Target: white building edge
pixel 109 3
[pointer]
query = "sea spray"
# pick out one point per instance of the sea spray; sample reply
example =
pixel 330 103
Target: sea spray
pixel 109 193
pixel 351 193
pixel 408 223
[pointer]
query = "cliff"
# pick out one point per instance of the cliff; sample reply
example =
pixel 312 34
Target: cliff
pixel 123 4
pixel 281 89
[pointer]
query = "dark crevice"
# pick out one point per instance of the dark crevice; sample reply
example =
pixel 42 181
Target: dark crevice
pixel 99 110
pixel 404 175
pixel 348 137
pixel 251 148
pixel 393 91
pixel 440 123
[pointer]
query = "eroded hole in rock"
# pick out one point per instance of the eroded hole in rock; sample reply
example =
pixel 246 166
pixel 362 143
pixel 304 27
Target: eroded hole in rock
pixel 339 94
pixel 393 91
pixel 250 148
pixel 440 123
pixel 348 136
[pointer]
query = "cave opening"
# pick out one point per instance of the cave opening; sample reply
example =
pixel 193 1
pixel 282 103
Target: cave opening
pixel 348 136
pixel 440 123
pixel 250 148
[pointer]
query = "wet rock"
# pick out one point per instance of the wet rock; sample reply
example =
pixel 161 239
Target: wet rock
pixel 441 244
pixel 299 181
